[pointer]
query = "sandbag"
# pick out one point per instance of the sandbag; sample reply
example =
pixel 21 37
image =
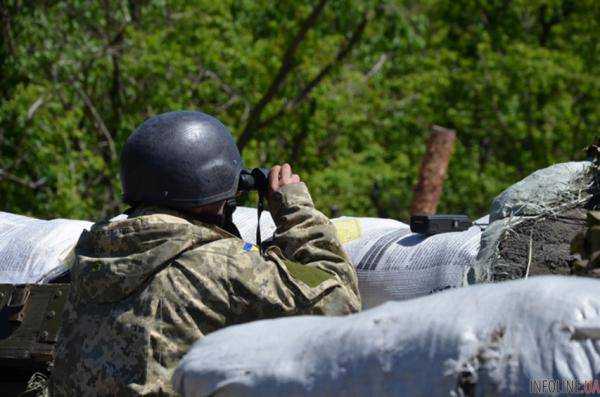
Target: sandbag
pixel 534 222
pixel 547 189
pixel 392 263
pixel 490 339
pixel 31 248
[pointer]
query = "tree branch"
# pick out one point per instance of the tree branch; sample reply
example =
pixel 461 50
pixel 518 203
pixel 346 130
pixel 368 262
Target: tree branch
pixel 305 92
pixel 378 65
pixel 234 95
pixel 301 136
pixel 19 146
pixel 229 90
pixel 97 121
pixel 287 64
pixel 6 29
pixel 21 181
pixel 116 90
pixel 34 108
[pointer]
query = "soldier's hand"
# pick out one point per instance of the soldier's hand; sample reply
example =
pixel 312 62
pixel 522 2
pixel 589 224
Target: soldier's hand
pixel 280 176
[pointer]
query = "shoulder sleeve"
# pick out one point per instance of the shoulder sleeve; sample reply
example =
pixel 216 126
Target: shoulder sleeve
pixel 271 286
pixel 306 237
pixel 306 271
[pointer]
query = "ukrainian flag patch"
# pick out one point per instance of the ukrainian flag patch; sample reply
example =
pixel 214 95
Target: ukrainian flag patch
pixel 250 247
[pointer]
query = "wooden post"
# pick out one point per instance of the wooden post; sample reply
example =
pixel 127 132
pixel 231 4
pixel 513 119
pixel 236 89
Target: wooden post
pixel 428 190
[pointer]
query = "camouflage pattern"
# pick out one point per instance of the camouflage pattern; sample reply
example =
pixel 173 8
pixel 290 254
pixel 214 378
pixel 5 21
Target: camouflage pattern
pixel 145 288
pixel 586 248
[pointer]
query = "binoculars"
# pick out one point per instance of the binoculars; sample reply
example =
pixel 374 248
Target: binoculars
pixel 254 179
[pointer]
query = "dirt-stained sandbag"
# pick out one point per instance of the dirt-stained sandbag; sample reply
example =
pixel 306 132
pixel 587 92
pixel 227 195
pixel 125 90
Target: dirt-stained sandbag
pixel 534 222
pixel 552 188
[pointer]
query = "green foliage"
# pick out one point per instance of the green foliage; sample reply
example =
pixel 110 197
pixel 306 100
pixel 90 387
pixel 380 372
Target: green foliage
pixel 518 80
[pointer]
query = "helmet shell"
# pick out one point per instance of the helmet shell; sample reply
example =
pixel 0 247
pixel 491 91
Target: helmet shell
pixel 180 159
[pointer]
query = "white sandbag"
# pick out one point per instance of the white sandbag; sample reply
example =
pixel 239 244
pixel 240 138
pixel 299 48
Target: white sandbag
pixel 497 338
pixel 30 248
pixel 396 264
pixel 246 220
pixel 392 263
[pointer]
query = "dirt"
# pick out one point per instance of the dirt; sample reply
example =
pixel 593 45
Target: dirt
pixel 550 241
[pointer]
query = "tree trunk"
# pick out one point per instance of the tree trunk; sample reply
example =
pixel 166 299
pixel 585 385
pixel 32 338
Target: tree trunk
pixel 428 190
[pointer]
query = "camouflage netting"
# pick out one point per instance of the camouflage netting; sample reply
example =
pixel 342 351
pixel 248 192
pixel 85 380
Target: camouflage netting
pixel 534 221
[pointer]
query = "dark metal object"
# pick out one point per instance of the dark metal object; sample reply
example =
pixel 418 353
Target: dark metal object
pixel 255 179
pixel 29 323
pixel 434 224
pixel 180 159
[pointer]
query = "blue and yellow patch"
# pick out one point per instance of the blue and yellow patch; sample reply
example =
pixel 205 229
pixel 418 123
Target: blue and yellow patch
pixel 250 247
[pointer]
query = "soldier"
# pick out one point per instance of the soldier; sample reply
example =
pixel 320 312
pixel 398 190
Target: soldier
pixel 145 288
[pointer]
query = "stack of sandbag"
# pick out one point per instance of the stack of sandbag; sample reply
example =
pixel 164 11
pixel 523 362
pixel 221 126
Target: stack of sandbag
pixel 392 263
pixel 493 339
pixel 534 221
pixel 32 249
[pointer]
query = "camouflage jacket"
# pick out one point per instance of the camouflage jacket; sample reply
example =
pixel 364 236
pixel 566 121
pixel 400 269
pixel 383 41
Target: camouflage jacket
pixel 146 288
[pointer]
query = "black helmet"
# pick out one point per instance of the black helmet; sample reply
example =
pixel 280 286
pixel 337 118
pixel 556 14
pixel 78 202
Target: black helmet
pixel 180 159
